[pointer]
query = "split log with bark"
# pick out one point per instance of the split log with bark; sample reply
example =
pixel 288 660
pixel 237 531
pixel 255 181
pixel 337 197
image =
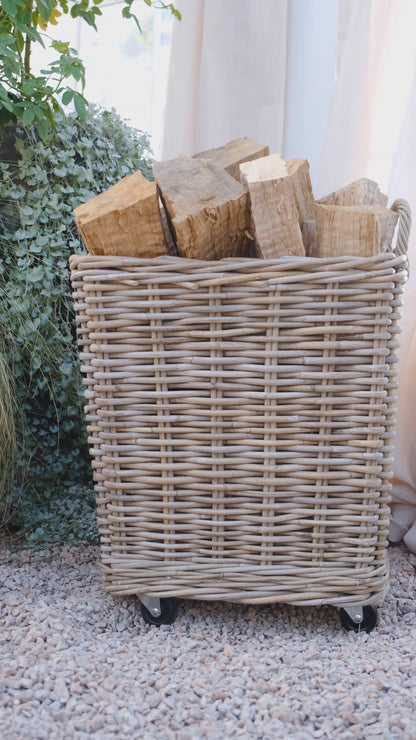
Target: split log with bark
pixel 361 231
pixel 207 209
pixel 274 210
pixel 123 220
pixel 234 153
pixel 235 201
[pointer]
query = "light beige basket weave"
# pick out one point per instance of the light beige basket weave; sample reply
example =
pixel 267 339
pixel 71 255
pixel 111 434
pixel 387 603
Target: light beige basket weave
pixel 240 417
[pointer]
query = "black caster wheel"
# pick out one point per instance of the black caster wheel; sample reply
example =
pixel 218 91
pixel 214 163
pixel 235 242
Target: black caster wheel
pixel 370 617
pixel 168 613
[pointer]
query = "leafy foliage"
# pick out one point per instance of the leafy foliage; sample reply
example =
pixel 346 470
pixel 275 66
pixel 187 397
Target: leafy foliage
pixel 54 498
pixel 7 428
pixel 36 99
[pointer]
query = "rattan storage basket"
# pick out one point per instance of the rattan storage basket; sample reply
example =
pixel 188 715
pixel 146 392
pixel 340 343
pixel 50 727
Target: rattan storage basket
pixel 240 417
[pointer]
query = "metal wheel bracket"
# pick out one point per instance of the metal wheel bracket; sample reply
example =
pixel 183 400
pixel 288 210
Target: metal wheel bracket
pixel 355 613
pixel 152 604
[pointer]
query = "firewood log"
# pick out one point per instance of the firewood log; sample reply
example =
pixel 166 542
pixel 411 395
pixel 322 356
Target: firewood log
pixel 353 230
pixel 207 209
pixel 124 220
pixel 231 155
pixel 274 211
pixel 299 172
pixel 363 192
pixel 310 237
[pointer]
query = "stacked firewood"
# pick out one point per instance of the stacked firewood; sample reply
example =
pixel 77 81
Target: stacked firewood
pixel 235 201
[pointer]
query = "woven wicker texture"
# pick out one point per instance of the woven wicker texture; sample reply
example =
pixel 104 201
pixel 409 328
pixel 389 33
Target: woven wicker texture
pixel 240 417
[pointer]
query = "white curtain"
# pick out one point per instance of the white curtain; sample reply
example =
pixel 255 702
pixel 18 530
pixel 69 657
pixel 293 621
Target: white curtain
pixel 330 80
pixel 227 74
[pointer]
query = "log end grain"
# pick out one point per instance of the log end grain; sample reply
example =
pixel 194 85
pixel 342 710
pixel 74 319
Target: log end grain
pixel 345 230
pixel 124 220
pixel 362 231
pixel 362 192
pixel 274 211
pixel 206 208
pixel 234 153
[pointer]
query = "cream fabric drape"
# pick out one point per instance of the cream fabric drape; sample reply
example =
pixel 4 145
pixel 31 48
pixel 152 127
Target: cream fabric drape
pixel 370 132
pixel 227 77
pixel 330 80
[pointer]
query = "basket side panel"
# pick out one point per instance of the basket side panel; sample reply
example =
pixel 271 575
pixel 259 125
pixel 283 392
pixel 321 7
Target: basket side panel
pixel 242 424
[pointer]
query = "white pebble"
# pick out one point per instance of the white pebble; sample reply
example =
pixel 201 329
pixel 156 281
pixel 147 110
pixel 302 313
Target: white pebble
pixel 74 657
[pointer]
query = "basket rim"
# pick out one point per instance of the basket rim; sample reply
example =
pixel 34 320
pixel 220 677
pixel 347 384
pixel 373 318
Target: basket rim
pixel 345 262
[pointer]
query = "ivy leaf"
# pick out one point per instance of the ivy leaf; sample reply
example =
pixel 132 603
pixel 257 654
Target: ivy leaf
pixel 35 248
pixel 41 353
pixel 34 276
pixel 26 210
pixel 60 171
pixel 67 368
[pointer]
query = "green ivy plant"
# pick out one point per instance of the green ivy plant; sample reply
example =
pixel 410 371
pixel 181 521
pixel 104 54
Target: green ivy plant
pixel 52 494
pixel 7 426
pixel 36 99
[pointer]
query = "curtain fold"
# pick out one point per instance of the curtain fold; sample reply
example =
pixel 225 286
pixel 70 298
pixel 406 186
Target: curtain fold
pixel 403 179
pixel 227 76
pixel 243 68
pixel 182 98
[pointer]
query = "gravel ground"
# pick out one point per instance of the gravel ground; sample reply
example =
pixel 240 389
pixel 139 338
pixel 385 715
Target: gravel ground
pixel 78 663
